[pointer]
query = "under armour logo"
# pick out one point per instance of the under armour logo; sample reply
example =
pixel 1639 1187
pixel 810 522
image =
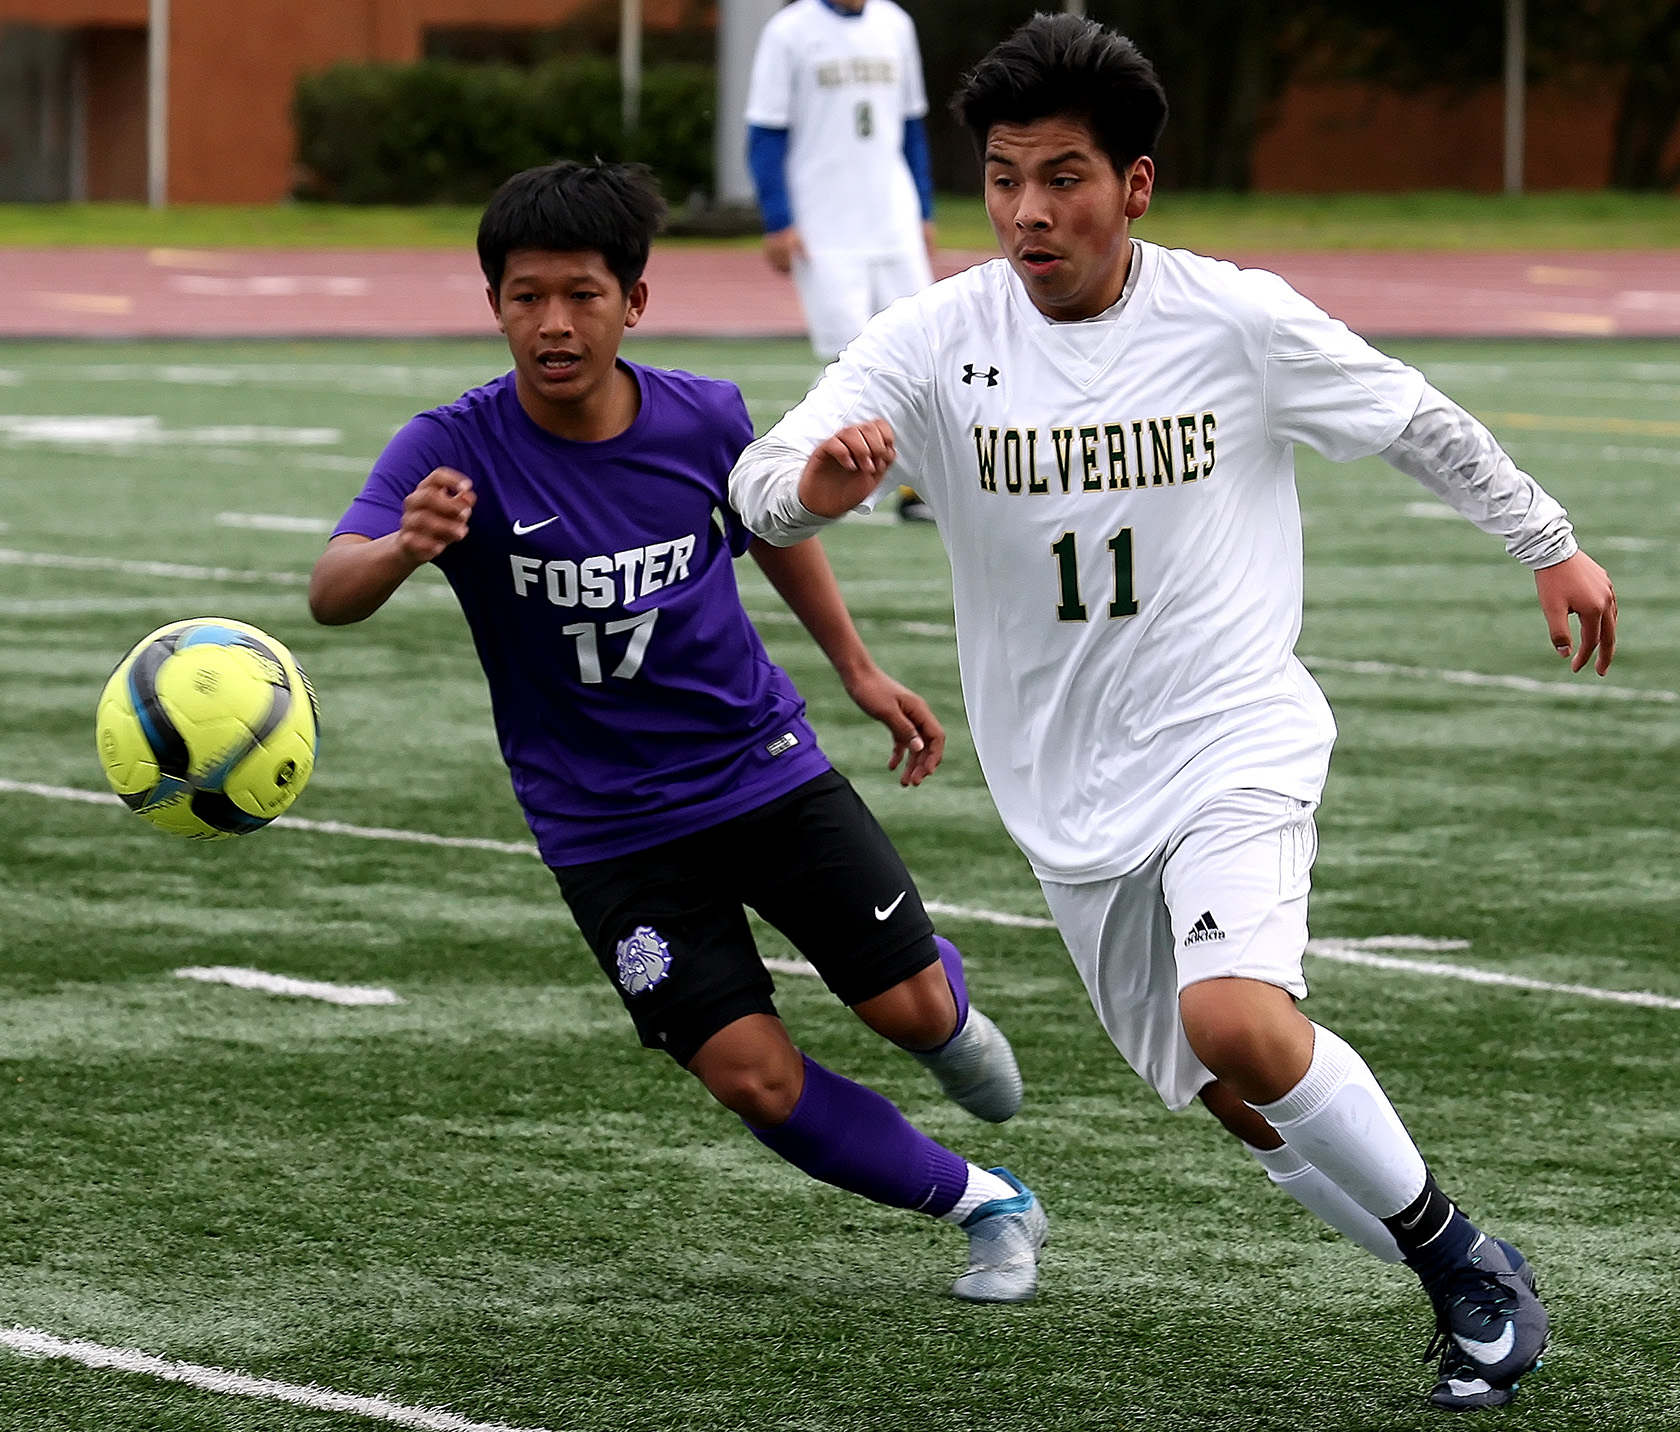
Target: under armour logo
pixel 989 377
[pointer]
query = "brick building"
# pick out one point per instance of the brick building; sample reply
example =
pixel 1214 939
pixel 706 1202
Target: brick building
pixel 73 84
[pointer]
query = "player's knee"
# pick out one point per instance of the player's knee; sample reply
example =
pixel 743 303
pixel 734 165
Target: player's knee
pixel 763 1095
pixel 1236 1042
pixel 917 1013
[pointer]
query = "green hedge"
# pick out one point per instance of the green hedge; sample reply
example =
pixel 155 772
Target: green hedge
pixel 439 132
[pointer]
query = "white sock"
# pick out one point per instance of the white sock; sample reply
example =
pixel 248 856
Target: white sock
pixel 983 1187
pixel 1339 1120
pixel 1315 1193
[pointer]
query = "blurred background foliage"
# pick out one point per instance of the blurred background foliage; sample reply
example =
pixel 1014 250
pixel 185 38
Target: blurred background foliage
pixel 485 103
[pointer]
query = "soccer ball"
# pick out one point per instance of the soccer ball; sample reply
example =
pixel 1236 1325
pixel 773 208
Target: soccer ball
pixel 208 728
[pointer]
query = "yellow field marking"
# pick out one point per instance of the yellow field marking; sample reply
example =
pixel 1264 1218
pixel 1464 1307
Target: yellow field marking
pixel 87 302
pixel 1593 325
pixel 1553 423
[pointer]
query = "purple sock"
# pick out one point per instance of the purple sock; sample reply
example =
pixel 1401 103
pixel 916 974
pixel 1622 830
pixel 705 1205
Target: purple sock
pixel 951 958
pixel 851 1137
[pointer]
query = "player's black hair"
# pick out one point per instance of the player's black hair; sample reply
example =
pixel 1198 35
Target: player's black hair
pixel 610 209
pixel 1057 65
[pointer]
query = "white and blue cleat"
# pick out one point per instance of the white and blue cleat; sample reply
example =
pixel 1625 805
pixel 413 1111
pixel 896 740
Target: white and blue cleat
pixel 977 1070
pixel 1004 1239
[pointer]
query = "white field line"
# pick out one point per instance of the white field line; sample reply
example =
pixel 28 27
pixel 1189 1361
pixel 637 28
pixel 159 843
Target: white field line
pixel 285 985
pixel 273 522
pixel 1480 678
pixel 10 557
pixel 1352 952
pixel 410 837
pixel 791 967
pixel 936 629
pixel 989 917
pixel 31 1343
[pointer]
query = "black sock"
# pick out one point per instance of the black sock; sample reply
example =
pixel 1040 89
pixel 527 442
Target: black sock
pixel 1430 1230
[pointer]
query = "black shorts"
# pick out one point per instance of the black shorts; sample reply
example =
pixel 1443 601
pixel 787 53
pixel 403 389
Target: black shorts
pixel 669 928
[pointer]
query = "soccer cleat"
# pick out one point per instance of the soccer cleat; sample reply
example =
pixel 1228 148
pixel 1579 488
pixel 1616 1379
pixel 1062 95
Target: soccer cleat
pixel 913 509
pixel 977 1070
pixel 1459 1385
pixel 1004 1237
pixel 1490 1327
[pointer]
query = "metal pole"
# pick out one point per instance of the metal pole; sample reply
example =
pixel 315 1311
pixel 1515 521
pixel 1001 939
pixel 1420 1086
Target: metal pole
pixel 1516 78
pixel 630 61
pixel 1074 7
pixel 157 104
pixel 740 22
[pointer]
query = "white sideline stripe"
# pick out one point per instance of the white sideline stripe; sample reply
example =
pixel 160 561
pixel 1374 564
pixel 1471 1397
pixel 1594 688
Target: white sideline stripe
pixel 790 967
pixel 468 842
pixel 937 629
pixel 1351 952
pixel 1348 952
pixel 989 917
pixel 12 557
pixel 32 1343
pixel 411 837
pixel 241 978
pixel 1482 678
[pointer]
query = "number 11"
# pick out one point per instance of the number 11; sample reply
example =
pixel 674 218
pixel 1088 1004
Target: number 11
pixel 1071 607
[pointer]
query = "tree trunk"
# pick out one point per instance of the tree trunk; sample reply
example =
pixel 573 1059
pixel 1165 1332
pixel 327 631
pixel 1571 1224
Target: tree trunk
pixel 1648 107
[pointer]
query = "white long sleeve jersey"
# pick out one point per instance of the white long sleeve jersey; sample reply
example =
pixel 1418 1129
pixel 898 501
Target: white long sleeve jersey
pixel 1118 501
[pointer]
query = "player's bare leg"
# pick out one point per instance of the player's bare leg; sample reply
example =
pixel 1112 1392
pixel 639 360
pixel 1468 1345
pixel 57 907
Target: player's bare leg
pixel 850 1136
pixel 1321 1101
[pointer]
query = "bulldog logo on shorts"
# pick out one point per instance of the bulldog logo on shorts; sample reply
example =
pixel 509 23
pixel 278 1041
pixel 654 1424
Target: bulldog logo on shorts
pixel 644 959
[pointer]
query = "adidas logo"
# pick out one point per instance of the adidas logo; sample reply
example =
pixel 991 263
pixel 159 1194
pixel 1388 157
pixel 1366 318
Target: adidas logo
pixel 1203 930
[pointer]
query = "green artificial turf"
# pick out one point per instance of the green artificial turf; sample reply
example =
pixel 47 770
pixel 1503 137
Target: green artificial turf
pixel 1223 223
pixel 489 1198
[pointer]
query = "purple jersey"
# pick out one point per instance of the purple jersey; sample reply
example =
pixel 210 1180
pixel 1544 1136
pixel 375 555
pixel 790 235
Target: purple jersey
pixel 633 699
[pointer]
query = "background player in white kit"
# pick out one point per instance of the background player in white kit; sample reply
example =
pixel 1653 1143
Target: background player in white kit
pixel 1105 432
pixel 839 156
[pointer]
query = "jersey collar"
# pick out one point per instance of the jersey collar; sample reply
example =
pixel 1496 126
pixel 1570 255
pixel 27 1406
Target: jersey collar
pixel 1085 351
pixel 844 14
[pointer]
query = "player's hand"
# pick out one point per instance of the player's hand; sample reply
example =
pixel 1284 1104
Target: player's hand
pixel 435 514
pixel 783 247
pixel 930 237
pixel 915 729
pixel 846 468
pixel 1581 586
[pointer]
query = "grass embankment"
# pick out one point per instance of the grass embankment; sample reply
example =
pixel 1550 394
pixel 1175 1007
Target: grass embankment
pixel 1199 221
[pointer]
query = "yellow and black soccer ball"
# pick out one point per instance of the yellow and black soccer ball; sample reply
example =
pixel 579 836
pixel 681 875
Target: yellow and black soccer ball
pixel 208 728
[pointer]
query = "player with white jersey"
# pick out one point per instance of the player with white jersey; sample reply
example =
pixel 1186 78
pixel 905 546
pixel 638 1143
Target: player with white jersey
pixel 839 157
pixel 1105 430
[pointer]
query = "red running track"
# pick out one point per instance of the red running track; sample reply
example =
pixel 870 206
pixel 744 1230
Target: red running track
pixel 731 293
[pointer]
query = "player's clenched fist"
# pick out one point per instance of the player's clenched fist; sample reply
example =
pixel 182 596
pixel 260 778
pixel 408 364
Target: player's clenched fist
pixel 435 514
pixel 846 468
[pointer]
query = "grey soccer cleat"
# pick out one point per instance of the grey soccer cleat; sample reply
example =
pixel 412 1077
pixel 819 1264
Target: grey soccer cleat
pixel 1004 1237
pixel 977 1070
pixel 1490 1327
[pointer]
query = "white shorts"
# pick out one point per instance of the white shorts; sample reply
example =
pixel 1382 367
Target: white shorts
pixel 1225 896
pixel 841 292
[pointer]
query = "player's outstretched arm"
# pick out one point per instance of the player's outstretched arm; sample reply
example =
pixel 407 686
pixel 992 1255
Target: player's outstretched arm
pixel 355 577
pixel 805 581
pixel 1579 585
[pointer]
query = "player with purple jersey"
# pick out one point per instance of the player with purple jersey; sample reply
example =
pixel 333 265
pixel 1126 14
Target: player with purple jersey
pixel 578 507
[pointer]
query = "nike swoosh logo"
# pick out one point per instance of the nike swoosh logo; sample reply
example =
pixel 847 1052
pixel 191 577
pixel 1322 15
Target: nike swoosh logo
pixel 520 529
pixel 1489 1353
pixel 881 914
